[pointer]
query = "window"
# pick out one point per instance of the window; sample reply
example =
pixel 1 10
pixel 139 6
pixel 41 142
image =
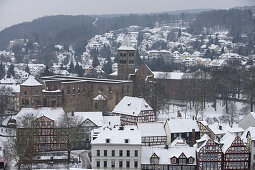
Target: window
pixel 105 152
pixel 95 106
pixel 113 164
pixel 73 90
pixel 126 140
pixel 136 164
pixel 110 90
pixel 120 164
pixel 113 152
pixel 107 140
pixel 83 89
pixel 68 90
pixel 190 160
pixel 98 152
pixel 174 160
pixel 136 153
pixel 120 153
pixel 79 91
pixel 128 164
pixel 128 153
pixel 98 164
pixel 124 54
pixel 105 164
pixel 25 92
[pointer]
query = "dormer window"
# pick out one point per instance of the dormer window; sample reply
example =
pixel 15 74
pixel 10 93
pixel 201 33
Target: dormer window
pixel 154 159
pixel 173 160
pixel 126 141
pixel 146 106
pixel 107 140
pixel 191 160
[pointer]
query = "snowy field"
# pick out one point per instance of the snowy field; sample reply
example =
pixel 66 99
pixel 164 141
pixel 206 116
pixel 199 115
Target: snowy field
pixel 208 114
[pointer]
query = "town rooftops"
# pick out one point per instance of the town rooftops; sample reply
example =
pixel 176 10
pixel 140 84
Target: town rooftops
pixel 131 106
pixel 118 135
pixel 165 154
pixel 31 81
pixel 182 125
pixel 95 117
pixel 227 140
pixel 152 129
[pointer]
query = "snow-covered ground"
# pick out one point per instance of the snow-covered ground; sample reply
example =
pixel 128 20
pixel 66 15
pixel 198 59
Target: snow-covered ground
pixel 209 113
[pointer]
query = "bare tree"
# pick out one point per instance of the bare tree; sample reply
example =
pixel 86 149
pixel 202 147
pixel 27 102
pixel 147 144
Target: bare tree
pixel 5 101
pixel 72 124
pixel 249 87
pixel 230 113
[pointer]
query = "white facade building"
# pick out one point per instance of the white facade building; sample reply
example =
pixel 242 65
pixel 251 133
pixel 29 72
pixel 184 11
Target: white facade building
pixel 117 148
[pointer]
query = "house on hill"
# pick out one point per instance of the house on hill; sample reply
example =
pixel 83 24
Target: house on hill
pixel 134 110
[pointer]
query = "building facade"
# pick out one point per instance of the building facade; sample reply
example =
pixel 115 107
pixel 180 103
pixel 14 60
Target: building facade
pixel 117 148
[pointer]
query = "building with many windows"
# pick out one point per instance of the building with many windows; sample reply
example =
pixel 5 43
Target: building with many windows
pixel 209 154
pixel 248 138
pixel 38 130
pixel 236 154
pixel 116 148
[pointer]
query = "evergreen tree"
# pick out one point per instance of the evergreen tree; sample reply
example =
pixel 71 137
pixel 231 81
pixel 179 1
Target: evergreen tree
pixel 10 71
pixel 71 68
pixel 2 71
pixel 95 62
pixel 47 72
pixel 27 69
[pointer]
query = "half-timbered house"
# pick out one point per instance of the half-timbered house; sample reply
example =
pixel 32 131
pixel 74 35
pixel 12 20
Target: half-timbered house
pixel 90 121
pixel 134 110
pixel 236 154
pixel 152 133
pixel 209 154
pixel 178 156
pixel 38 127
pixel 248 138
pixel 203 127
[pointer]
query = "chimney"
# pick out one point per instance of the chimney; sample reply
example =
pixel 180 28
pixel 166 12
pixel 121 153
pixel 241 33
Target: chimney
pixel 193 136
pixel 220 127
pixel 72 113
pixel 166 146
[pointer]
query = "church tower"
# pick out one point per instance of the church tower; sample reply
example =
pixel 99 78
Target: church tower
pixel 126 61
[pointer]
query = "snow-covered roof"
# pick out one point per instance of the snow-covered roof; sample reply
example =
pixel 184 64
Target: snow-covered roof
pixel 152 129
pixel 179 142
pixel 168 75
pixel 227 140
pixel 165 154
pixel 31 81
pixel 95 117
pixel 217 62
pixel 8 81
pixel 215 129
pixel 126 45
pixel 131 106
pixel 99 97
pixel 53 113
pixel 111 121
pixel 182 125
pixel 118 136
pixel 252 133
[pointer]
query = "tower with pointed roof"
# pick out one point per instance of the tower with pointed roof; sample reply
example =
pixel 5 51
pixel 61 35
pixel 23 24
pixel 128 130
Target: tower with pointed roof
pixel 30 93
pixel 126 61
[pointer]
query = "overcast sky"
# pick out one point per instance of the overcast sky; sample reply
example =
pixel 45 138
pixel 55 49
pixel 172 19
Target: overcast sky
pixel 17 11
